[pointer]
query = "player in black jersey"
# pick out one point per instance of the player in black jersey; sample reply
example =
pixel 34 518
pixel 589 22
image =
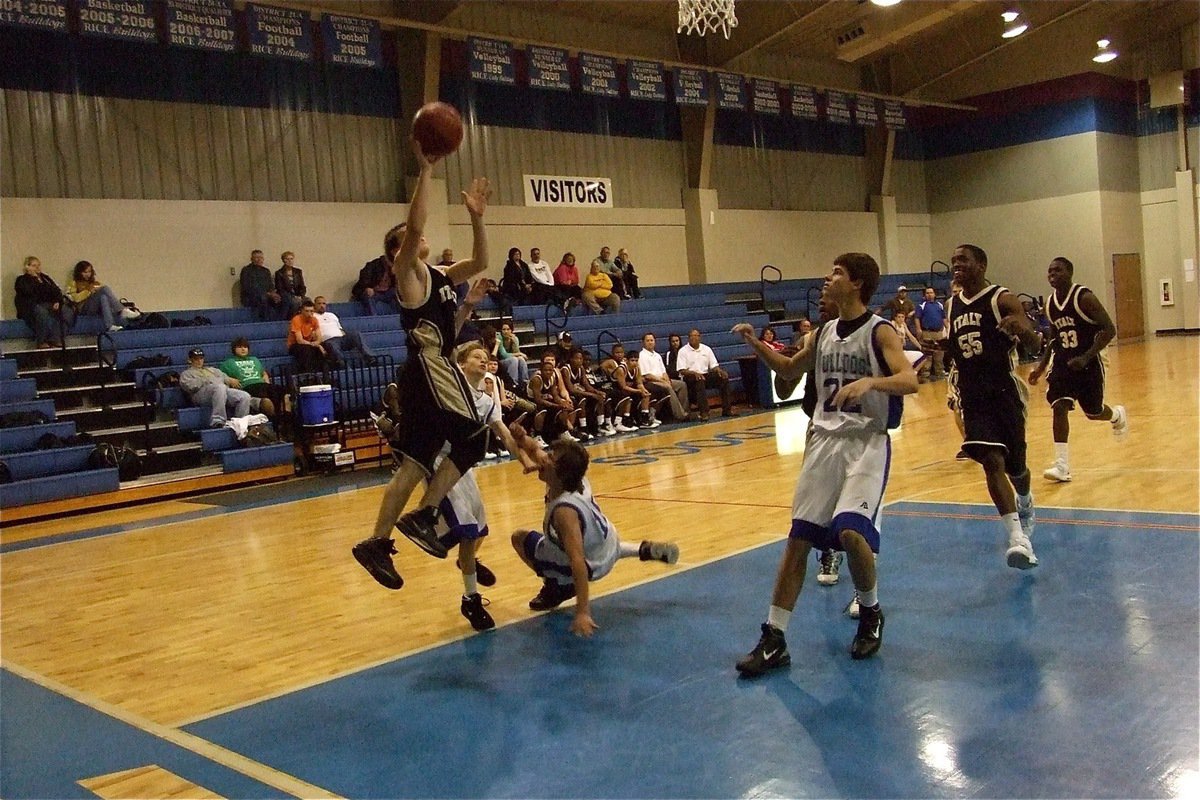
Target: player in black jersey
pixel 986 322
pixel 1081 330
pixel 438 404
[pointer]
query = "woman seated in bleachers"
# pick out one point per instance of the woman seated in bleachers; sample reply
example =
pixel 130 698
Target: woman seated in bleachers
pixel 41 305
pixel 93 299
pixel 628 276
pixel 598 292
pixel 566 279
pixel 769 338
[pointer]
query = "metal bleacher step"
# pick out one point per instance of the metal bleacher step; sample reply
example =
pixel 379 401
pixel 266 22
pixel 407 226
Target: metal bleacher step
pixel 129 429
pixel 90 387
pixel 182 447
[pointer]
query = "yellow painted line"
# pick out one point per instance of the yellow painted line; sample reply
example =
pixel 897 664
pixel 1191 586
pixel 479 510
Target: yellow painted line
pixel 151 781
pixel 201 747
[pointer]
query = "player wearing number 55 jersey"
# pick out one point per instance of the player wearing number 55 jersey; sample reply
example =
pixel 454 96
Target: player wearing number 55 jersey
pixel 860 373
pixel 986 322
pixel 1081 331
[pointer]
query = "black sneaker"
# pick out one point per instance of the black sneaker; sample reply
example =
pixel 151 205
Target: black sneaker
pixel 419 526
pixel 375 555
pixel 770 653
pixel 483 575
pixel 961 455
pixel 870 633
pixel 473 609
pixel 666 552
pixel 552 595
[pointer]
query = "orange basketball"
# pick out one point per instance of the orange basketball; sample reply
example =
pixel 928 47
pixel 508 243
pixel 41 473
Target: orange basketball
pixel 439 129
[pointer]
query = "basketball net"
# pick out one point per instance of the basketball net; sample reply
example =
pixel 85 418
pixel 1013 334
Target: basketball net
pixel 705 16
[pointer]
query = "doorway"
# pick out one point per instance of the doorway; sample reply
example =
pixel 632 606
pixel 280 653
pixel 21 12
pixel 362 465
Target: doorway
pixel 1129 315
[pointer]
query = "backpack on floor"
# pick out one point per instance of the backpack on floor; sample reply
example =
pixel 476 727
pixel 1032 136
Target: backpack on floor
pixel 260 435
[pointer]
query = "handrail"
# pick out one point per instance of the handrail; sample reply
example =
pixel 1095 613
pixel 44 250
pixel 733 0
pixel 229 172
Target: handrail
pixel 934 273
pixel 558 326
pixel 764 282
pixel 810 304
pixel 600 338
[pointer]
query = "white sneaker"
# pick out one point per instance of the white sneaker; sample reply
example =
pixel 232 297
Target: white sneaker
pixel 540 442
pixel 1027 516
pixel 608 430
pixel 114 328
pixel 1058 472
pixel 129 313
pixel 490 455
pixel 831 561
pixel 623 428
pixel 853 608
pixel 566 436
pixel 1020 553
pixel 655 422
pixel 1120 422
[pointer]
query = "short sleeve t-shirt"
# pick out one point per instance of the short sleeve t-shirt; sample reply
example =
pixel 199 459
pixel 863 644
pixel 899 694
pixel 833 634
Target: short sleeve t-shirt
pixel 248 370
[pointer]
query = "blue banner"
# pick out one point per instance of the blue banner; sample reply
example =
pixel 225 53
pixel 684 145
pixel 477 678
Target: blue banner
pixel 48 15
pixel 837 108
pixel 804 103
pixel 491 61
pixel 731 91
pixel 598 75
pixel 895 115
pixel 279 32
pixel 766 97
pixel 203 24
pixel 351 40
pixel 691 87
pixel 866 111
pixel 645 80
pixel 549 68
pixel 118 19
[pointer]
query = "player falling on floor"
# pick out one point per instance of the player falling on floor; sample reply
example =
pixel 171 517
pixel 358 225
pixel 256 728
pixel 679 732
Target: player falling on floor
pixel 1081 331
pixel 577 544
pixel 861 373
pixel 986 324
pixel 438 403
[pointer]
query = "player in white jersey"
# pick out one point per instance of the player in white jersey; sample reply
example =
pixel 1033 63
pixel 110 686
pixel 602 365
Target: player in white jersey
pixel 860 372
pixel 579 544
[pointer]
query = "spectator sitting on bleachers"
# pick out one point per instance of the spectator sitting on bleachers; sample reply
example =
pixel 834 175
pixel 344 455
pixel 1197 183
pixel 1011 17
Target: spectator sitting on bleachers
pixel 511 343
pixel 376 287
pixel 803 328
pixel 304 339
pixel 548 391
pixel 698 366
pixel 257 288
pixel 249 375
pixel 336 340
pixel 628 276
pixel 898 303
pixel 544 290
pixel 514 408
pixel 40 304
pixel 460 290
pixel 654 374
pixel 93 299
pixel 517 368
pixel 517 283
pixel 609 267
pixel 566 280
pixel 671 359
pixel 769 338
pixel 598 293
pixel 208 386
pixel 289 283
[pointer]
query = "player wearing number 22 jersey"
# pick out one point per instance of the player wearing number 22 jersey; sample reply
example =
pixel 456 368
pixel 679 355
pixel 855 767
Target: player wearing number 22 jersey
pixel 860 374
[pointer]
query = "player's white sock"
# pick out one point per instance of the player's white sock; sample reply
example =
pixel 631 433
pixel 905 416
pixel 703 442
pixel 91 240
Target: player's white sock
pixel 778 618
pixel 1060 453
pixel 629 550
pixel 469 586
pixel 869 599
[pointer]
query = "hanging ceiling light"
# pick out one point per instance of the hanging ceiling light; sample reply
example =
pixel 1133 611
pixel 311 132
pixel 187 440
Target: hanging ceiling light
pixel 1106 53
pixel 1014 23
pixel 886 3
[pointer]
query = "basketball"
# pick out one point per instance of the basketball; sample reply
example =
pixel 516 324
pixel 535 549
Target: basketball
pixel 438 128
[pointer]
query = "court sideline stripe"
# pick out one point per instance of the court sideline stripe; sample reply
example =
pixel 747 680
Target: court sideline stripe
pixel 190 742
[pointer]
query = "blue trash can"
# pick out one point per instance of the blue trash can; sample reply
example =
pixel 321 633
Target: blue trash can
pixel 316 404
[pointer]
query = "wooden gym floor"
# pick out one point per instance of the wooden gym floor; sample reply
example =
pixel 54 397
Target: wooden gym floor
pixel 172 619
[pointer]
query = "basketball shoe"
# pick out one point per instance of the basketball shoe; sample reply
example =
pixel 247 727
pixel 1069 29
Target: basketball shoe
pixel 770 653
pixel 666 552
pixel 1020 553
pixel 1027 516
pixel 1060 472
pixel 552 595
pixel 1120 422
pixel 869 638
pixel 375 555
pixel 853 609
pixel 473 609
pixel 419 526
pixel 831 563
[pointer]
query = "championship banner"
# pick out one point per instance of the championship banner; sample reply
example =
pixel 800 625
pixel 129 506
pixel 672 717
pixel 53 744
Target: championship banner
pixel 895 115
pixel 132 20
pixel 567 190
pixel 46 15
pixel 279 32
pixel 804 103
pixel 645 80
pixel 866 111
pixel 203 24
pixel 549 68
pixel 766 97
pixel 351 40
pixel 837 107
pixel 731 91
pixel 598 75
pixel 691 87
pixel 491 61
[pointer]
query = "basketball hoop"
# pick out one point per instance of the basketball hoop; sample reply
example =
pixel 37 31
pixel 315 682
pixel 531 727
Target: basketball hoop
pixel 705 16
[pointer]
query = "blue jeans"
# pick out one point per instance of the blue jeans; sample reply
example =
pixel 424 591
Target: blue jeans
pixel 45 323
pixel 102 303
pixel 382 303
pixel 336 347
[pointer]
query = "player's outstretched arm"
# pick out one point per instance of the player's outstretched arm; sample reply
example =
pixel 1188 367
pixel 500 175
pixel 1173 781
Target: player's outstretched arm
pixel 566 522
pixel 510 444
pixel 412 278
pixel 476 200
pixel 788 367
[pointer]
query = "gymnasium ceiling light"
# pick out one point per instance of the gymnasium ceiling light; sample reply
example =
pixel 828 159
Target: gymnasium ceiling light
pixel 886 3
pixel 1106 53
pixel 1014 23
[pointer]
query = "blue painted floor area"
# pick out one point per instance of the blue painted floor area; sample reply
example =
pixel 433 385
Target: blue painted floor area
pixel 49 742
pixel 1076 679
